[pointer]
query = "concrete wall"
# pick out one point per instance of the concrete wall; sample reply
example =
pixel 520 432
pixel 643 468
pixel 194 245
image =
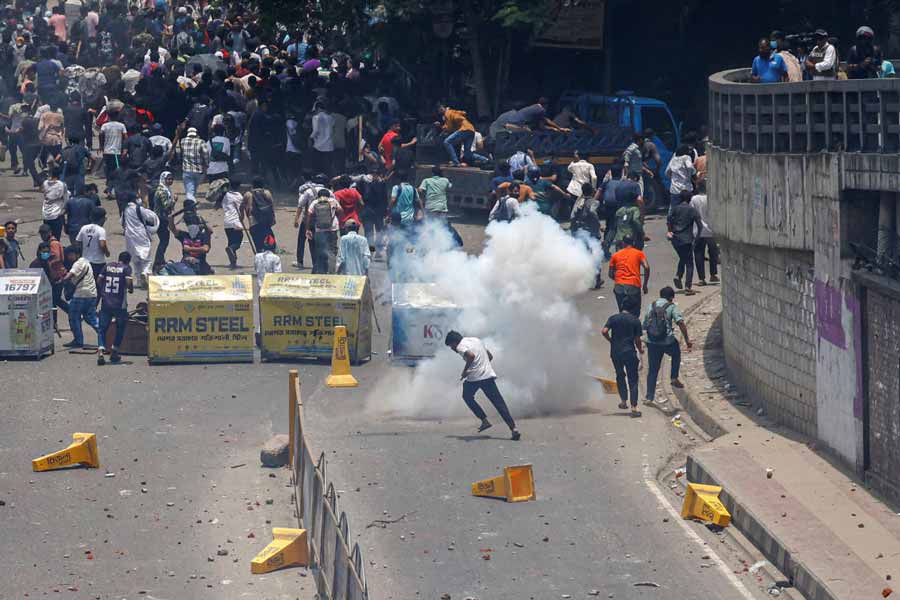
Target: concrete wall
pixel 799 347
pixel 769 325
pixel 883 340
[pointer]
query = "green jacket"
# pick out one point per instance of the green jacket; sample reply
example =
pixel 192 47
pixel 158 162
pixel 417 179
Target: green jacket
pixel 628 222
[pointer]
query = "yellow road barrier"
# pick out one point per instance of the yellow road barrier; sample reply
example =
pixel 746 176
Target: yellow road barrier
pixel 702 502
pixel 288 549
pixel 515 485
pixel 82 451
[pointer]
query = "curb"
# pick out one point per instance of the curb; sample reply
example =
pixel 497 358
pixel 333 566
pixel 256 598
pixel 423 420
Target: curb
pixel 803 580
pixel 776 552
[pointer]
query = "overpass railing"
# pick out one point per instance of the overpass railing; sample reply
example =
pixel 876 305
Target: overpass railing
pixel 859 115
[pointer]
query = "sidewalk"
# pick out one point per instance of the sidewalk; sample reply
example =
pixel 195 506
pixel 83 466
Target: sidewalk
pixel 820 527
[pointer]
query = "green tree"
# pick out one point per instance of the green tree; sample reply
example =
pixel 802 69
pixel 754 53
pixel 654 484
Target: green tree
pixel 485 28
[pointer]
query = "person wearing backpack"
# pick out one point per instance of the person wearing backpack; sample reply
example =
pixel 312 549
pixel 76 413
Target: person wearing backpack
pixel 76 161
pixel 261 210
pixel 506 209
pixel 307 194
pixel 659 322
pixel 322 218
pixel 628 223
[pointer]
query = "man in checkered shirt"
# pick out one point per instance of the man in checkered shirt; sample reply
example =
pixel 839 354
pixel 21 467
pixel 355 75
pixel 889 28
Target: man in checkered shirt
pixel 194 161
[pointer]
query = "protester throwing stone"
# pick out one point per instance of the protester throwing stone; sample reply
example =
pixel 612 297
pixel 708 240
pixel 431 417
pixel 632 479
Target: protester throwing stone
pixel 478 374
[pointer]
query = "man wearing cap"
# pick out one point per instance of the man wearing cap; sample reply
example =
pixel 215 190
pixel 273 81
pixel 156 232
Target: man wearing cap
pixel 194 161
pixel 353 256
pixel 821 62
pixel 864 60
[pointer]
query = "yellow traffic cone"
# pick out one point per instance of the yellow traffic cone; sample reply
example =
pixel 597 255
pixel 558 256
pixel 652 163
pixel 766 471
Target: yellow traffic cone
pixel 82 451
pixel 340 361
pixel 515 485
pixel 288 549
pixel 702 502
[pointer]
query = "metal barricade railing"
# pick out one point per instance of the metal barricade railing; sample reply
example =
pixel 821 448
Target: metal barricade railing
pixel 338 569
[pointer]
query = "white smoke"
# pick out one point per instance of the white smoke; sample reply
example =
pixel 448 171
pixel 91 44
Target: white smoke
pixel 518 296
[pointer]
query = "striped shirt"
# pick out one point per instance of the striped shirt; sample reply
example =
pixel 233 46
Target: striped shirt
pixel 194 155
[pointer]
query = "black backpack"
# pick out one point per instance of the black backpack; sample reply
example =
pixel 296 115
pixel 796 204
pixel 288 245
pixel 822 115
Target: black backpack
pixel 198 118
pixel 657 323
pixel 503 213
pixel 263 211
pixel 71 159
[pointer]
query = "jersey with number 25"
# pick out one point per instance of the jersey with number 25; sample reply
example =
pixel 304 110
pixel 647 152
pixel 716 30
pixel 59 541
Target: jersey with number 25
pixel 115 286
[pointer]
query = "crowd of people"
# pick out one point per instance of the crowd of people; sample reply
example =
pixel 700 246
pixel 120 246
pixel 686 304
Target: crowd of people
pixel 783 58
pixel 151 92
pixel 206 94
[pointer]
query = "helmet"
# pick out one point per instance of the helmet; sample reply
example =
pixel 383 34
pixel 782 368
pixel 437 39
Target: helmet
pixel 534 172
pixel 865 31
pixel 320 178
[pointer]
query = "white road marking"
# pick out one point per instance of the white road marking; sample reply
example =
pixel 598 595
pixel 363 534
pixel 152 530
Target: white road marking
pixel 676 516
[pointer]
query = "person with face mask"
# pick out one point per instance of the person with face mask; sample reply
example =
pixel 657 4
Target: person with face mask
pixel 195 242
pixel 162 202
pixel 768 67
pixel 56 272
pixel 864 59
pixel 139 225
pixel 779 45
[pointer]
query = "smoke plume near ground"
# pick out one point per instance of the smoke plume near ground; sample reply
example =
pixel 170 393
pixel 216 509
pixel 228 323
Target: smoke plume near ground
pixel 518 296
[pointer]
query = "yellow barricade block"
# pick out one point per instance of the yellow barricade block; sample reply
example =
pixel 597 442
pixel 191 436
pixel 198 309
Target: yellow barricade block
pixel 82 451
pixel 515 485
pixel 288 549
pixel 340 361
pixel 702 502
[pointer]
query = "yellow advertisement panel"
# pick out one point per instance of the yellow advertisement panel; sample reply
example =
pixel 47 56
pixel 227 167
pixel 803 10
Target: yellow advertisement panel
pixel 201 319
pixel 298 314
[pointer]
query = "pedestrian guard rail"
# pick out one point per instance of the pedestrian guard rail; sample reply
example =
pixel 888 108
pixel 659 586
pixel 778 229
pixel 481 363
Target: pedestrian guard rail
pixel 855 115
pixel 338 569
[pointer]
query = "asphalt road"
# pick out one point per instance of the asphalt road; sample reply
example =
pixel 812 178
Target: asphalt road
pixel 190 437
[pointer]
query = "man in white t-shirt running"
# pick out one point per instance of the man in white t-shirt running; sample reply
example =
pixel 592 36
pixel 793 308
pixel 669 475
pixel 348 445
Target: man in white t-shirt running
pixel 478 374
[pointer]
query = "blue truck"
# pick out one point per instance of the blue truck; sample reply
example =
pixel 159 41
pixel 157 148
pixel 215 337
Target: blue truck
pixel 612 120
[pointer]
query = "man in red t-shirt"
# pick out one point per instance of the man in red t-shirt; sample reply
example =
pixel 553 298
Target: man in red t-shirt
pixel 350 200
pixel 386 145
pixel 625 270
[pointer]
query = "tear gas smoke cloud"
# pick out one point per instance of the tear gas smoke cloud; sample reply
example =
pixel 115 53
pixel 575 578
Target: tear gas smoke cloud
pixel 518 296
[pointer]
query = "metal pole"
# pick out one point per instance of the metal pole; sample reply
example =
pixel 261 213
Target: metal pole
pixel 293 391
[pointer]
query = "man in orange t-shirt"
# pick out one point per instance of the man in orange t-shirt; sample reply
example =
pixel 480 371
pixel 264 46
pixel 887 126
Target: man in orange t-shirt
pixel 625 270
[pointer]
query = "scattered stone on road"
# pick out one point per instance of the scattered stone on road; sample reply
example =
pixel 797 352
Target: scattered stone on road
pixel 275 452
